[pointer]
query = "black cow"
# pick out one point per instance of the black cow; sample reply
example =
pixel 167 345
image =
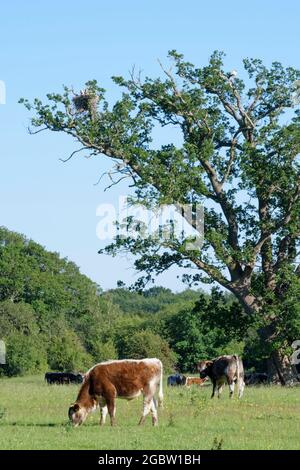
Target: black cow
pixel 256 378
pixel 222 370
pixel 175 380
pixel 61 378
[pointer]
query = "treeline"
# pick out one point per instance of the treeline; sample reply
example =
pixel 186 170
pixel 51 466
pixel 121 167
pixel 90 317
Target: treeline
pixel 54 317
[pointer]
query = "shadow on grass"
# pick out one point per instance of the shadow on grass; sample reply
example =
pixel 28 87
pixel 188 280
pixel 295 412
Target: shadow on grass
pixel 51 425
pixel 41 425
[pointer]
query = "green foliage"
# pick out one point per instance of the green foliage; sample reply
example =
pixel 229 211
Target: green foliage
pixel 24 355
pixel 145 343
pixel 82 325
pixel 187 339
pixel 44 300
pixel 147 301
pixel 18 317
pixel 209 329
pixel 20 331
pixel 106 351
pixel 66 353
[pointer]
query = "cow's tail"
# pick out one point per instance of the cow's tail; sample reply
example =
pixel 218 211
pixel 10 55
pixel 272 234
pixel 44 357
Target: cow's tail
pixel 237 372
pixel 160 392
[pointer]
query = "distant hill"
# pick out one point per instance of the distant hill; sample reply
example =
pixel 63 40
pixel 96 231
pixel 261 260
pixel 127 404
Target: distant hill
pixel 150 301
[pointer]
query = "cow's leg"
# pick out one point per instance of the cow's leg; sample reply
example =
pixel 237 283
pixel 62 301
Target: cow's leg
pixel 153 410
pixel 111 407
pixel 149 404
pixel 109 394
pixel 214 388
pixel 220 389
pixel 103 411
pixel 231 388
pixel 146 409
pixel 241 388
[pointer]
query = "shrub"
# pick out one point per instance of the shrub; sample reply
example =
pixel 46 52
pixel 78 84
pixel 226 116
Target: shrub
pixel 105 351
pixel 24 355
pixel 66 353
pixel 145 343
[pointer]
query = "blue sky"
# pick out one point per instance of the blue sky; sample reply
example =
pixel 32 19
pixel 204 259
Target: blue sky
pixel 47 44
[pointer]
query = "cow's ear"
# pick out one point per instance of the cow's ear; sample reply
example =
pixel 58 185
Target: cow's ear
pixel 209 363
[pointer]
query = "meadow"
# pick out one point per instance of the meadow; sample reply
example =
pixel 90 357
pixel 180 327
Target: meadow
pixel 33 415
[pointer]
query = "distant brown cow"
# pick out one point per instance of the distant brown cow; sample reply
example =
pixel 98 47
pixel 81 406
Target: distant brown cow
pixel 194 381
pixel 222 370
pixel 127 379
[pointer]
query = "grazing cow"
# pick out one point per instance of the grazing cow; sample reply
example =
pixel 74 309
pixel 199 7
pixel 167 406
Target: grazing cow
pixel 222 370
pixel 175 380
pixel 61 378
pixel 194 381
pixel 127 379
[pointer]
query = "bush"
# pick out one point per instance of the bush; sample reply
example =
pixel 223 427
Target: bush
pixel 187 339
pixel 105 351
pixel 145 343
pixel 66 353
pixel 17 317
pixel 24 355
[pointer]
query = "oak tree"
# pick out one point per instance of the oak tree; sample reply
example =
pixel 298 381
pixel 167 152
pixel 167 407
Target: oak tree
pixel 239 157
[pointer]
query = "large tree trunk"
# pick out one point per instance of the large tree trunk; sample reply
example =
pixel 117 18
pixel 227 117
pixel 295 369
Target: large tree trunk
pixel 279 367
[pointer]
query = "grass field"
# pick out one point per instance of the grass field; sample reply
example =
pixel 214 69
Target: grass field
pixel 34 416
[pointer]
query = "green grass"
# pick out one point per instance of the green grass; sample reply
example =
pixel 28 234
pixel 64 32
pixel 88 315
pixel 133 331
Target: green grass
pixel 34 416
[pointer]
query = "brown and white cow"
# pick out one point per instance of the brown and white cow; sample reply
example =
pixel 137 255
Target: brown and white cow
pixel 194 381
pixel 127 379
pixel 222 370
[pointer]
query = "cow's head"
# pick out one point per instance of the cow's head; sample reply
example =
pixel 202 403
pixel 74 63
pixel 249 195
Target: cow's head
pixel 77 414
pixel 204 368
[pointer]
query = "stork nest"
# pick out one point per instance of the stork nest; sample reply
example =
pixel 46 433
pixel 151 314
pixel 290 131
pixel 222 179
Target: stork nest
pixel 86 101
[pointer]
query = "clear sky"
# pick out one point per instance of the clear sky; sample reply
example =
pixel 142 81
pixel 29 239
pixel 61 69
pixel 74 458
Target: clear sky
pixel 46 44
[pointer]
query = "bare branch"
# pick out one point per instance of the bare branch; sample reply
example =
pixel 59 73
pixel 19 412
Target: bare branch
pixel 211 271
pixel 116 182
pixel 233 146
pixel 31 132
pixel 241 109
pixel 72 154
